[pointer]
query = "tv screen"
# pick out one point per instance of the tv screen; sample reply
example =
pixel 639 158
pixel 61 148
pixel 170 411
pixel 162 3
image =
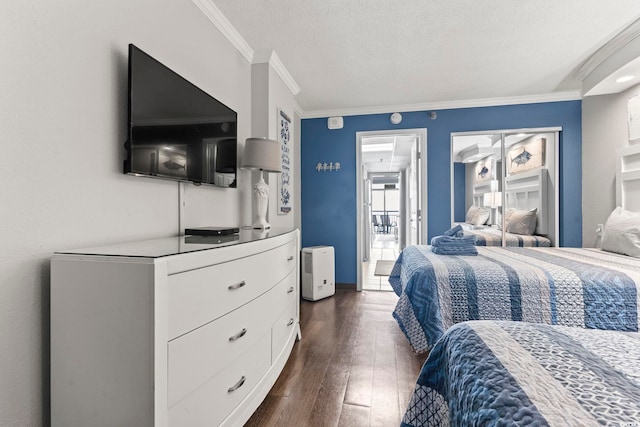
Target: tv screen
pixel 176 130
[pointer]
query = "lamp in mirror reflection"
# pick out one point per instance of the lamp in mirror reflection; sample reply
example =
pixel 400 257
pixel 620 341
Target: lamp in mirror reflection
pixel 493 200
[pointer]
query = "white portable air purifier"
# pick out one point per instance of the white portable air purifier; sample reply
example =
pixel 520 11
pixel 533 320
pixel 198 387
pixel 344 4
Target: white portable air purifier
pixel 318 272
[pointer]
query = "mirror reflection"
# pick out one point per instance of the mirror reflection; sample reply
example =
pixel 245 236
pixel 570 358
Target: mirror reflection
pixel 504 186
pixel 210 160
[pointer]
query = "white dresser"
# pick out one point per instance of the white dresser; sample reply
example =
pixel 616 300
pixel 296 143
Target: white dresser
pixel 181 331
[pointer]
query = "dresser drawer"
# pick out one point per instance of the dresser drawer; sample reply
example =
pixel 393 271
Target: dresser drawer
pixel 282 329
pixel 216 399
pixel 284 293
pixel 197 356
pixel 199 296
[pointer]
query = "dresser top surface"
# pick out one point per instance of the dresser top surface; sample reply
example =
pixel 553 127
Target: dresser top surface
pixel 169 246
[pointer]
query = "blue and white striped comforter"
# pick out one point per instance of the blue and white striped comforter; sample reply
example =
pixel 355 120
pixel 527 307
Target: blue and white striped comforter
pixel 516 373
pixel 493 237
pixel 588 288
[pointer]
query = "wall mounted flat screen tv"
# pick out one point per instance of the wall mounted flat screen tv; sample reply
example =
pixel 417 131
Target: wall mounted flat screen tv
pixel 176 130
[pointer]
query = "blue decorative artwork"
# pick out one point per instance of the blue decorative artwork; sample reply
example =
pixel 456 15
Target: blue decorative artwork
pixel 485 169
pixel 284 183
pixel 526 156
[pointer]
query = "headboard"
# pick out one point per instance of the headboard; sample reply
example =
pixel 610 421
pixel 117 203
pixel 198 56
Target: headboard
pixel 528 190
pixel 479 188
pixel 524 191
pixel 628 178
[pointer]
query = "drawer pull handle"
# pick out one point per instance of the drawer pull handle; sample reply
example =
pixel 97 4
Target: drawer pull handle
pixel 290 290
pixel 237 385
pixel 238 335
pixel 290 258
pixel 290 322
pixel 237 285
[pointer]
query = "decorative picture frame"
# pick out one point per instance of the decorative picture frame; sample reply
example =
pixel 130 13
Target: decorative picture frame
pixel 633 118
pixel 526 156
pixel 285 202
pixel 485 169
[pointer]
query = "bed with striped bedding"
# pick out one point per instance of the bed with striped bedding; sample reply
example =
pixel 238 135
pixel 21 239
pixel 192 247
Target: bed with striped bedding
pixel 588 288
pixel 493 237
pixel 517 373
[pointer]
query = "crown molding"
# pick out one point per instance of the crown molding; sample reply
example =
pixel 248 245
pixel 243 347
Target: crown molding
pixel 272 58
pixel 214 14
pixel 618 42
pixel 448 105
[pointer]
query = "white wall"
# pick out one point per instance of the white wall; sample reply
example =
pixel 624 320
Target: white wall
pixel 604 130
pixel 280 97
pixel 269 94
pixel 63 111
pixel 297 176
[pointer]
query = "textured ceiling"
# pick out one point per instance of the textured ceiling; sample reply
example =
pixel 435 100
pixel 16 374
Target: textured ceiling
pixel 357 54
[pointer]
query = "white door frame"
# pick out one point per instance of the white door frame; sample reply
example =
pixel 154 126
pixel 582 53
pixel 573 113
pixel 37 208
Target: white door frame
pixel 422 188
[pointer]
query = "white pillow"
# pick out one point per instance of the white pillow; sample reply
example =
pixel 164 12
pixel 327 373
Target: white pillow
pixel 621 233
pixel 477 215
pixel 507 215
pixel 471 213
pixel 521 222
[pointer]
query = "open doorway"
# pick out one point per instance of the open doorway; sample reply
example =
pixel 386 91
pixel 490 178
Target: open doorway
pixel 392 206
pixel 383 245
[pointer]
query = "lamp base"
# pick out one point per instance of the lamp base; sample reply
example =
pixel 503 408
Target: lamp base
pixel 261 201
pixel 264 225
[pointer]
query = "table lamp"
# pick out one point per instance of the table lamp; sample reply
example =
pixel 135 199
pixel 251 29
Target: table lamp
pixel 493 199
pixel 264 155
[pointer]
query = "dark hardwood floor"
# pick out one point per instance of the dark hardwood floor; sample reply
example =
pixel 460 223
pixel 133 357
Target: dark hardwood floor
pixel 353 366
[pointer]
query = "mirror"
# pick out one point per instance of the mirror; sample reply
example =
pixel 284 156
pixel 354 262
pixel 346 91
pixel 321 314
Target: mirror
pixel 504 186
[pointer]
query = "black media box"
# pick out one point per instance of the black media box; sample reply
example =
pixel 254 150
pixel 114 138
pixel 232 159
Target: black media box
pixel 211 231
pixel 211 240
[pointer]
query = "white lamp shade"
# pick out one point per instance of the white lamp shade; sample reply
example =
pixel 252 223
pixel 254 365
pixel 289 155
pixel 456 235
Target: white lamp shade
pixel 493 199
pixel 263 154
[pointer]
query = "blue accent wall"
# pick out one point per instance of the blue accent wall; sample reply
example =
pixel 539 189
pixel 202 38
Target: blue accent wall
pixel 328 199
pixel 459 192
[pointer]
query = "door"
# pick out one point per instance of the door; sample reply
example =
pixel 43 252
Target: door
pixel 414 208
pixel 504 171
pixel 381 156
pixel 368 229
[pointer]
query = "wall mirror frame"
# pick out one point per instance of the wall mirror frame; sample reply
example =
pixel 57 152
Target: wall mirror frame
pixel 505 185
